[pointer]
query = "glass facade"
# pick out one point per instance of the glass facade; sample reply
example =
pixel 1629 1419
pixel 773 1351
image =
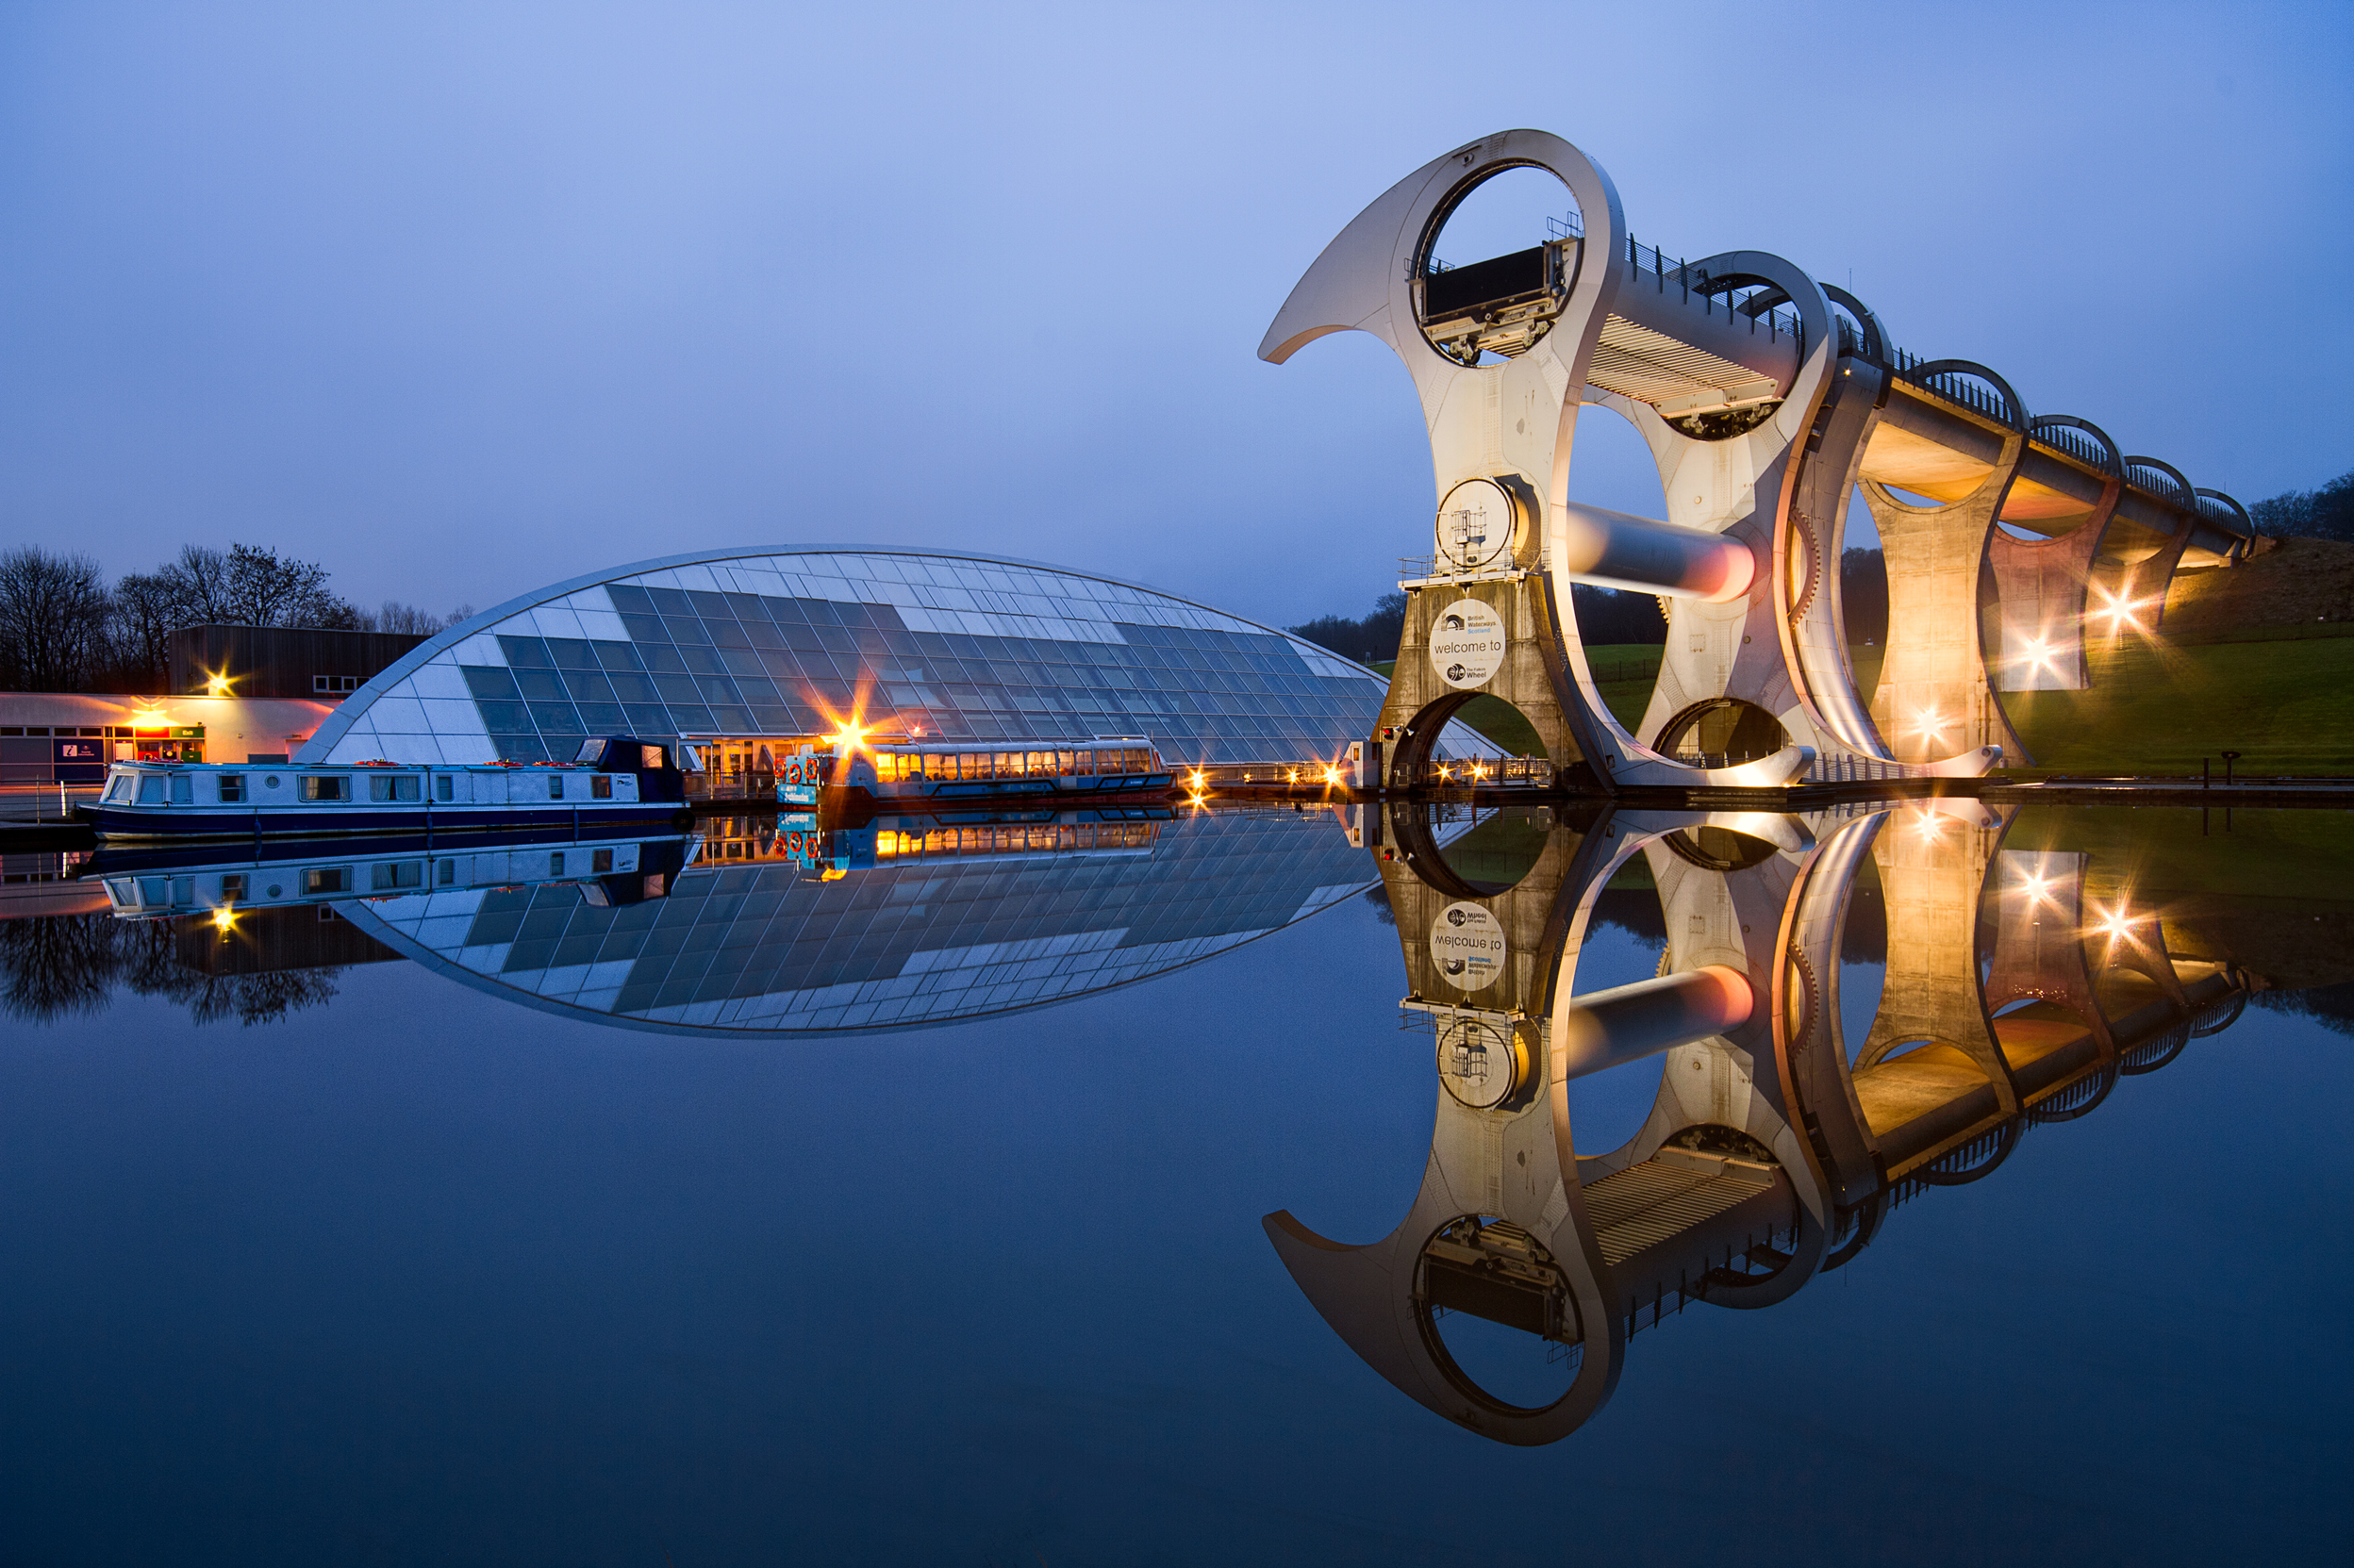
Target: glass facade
pixel 961 647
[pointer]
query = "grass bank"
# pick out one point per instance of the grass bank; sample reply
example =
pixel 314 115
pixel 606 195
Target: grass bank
pixel 2283 696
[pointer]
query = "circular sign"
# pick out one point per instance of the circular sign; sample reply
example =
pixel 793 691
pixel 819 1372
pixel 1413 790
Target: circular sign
pixel 1468 944
pixel 1476 524
pixel 1467 644
pixel 1478 1063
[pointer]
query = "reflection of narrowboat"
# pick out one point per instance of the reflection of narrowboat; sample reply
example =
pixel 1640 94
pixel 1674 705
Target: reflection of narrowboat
pixel 866 842
pixel 146 886
pixel 616 781
pixel 938 772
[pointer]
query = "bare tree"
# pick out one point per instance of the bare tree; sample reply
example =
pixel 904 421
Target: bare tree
pixel 248 586
pixel 148 607
pixel 53 620
pixel 407 619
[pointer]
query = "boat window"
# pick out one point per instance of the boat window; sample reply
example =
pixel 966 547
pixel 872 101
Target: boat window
pixel 183 790
pixel 555 787
pixel 555 863
pixel 155 890
pixel 400 874
pixel 601 787
pixel 392 786
pixel 600 862
pixel 233 888
pixel 327 879
pixel 444 789
pixel 232 788
pixel 119 788
pixel 1084 763
pixel 590 750
pixel 651 756
pixel 333 786
pixel 445 873
pixel 1067 762
pixel 151 789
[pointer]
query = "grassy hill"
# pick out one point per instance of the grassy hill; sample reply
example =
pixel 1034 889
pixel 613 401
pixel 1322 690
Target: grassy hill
pixel 2216 680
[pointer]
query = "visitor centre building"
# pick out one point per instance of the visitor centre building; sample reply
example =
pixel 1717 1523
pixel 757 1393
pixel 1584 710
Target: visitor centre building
pixel 738 652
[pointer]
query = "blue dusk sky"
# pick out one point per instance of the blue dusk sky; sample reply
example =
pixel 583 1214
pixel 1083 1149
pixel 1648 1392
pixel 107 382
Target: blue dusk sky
pixel 464 299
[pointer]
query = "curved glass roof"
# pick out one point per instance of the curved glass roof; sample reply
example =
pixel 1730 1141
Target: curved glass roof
pixel 788 642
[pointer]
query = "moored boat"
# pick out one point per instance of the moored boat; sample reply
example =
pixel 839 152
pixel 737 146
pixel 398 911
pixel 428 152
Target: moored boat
pixel 616 781
pixel 938 772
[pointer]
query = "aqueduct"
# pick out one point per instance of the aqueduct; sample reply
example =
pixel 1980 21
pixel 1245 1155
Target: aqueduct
pixel 1769 400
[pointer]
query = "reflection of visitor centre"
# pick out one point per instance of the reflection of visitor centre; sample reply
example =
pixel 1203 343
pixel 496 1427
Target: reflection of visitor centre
pixel 738 651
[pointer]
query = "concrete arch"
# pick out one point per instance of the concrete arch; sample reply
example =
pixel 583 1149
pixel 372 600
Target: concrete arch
pixel 1875 344
pixel 2016 410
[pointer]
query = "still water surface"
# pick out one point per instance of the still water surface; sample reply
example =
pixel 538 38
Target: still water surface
pixel 1982 1200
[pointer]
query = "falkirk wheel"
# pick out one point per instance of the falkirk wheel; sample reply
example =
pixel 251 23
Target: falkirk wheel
pixel 1769 401
pixel 1775 1147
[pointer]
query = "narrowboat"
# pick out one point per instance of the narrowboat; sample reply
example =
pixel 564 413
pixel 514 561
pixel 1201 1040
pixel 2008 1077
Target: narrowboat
pixel 935 772
pixel 157 885
pixel 616 781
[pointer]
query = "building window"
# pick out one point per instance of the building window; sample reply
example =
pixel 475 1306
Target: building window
pixel 232 788
pixel 333 787
pixel 334 686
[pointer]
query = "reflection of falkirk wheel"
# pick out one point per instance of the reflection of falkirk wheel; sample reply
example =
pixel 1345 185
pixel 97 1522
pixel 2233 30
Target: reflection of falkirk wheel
pixel 1757 404
pixel 1511 1225
pixel 1767 1157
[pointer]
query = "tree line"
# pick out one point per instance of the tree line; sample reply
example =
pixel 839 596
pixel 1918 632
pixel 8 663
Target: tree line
pixel 63 627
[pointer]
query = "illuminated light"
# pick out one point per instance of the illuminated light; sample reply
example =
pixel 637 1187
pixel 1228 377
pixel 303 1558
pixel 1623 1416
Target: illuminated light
pixel 216 685
pixel 155 720
pixel 224 918
pixel 1332 775
pixel 1292 777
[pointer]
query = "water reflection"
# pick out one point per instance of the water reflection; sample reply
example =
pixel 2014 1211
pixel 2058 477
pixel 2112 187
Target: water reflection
pixel 2020 985
pixel 763 925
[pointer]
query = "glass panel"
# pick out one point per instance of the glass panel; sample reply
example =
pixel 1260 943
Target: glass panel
pixel 151 789
pixel 523 652
pixel 232 788
pixel 444 789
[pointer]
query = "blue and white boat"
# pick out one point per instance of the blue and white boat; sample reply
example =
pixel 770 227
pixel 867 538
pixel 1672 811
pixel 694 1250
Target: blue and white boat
pixel 616 782
pixel 169 884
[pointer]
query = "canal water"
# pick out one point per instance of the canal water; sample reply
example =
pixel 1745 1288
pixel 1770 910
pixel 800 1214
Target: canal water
pixel 1904 1183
